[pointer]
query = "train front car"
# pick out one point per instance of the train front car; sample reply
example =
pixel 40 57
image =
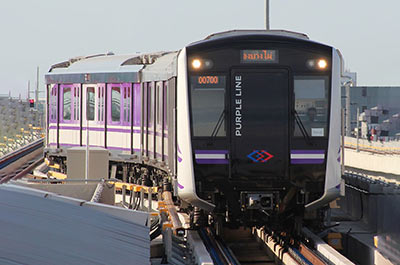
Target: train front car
pixel 261 110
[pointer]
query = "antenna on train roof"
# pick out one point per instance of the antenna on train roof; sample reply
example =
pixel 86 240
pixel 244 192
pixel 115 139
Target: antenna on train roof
pixel 267 26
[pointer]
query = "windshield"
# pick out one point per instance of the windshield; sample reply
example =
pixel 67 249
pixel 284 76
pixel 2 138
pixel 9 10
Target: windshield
pixel 311 103
pixel 208 105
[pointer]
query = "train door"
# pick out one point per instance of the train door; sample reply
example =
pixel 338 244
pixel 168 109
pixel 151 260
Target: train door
pixel 93 114
pixel 136 117
pixel 259 124
pixel 118 117
pixel 150 120
pixel 69 115
pixel 52 116
pixel 126 116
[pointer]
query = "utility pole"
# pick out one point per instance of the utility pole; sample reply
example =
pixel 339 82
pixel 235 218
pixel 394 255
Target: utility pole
pixel 267 26
pixel 37 86
pixel 29 89
pixel 37 97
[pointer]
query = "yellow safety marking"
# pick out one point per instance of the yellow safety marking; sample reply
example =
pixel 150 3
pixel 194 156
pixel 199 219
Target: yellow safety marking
pixel 57 175
pixel 55 166
pixel 163 210
pixel 154 214
pixel 376 241
pixel 134 187
pixel 373 147
pixel 167 225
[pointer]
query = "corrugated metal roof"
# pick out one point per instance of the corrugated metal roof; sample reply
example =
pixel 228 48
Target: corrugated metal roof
pixel 162 69
pixel 97 64
pixel 56 230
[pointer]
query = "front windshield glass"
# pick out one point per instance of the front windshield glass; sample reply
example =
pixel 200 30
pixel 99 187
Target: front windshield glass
pixel 208 105
pixel 311 103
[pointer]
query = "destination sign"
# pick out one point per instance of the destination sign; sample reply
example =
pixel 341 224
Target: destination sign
pixel 259 56
pixel 208 81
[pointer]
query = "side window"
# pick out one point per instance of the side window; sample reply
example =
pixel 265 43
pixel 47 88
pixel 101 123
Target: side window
pixel 165 105
pixel 159 103
pixel 53 104
pixel 90 103
pixel 127 104
pixel 67 104
pixel 76 103
pixel 150 97
pixel 100 103
pixel 116 104
pixel 137 103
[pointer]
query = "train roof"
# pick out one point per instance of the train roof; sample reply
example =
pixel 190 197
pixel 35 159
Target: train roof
pixel 110 68
pixel 244 35
pixel 234 33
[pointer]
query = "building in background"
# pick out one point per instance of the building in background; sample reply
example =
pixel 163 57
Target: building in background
pixel 379 109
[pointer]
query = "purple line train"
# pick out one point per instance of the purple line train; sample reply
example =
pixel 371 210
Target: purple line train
pixel 244 125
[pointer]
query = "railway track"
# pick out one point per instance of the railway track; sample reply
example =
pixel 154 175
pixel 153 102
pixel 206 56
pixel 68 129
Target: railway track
pixel 19 163
pixel 254 247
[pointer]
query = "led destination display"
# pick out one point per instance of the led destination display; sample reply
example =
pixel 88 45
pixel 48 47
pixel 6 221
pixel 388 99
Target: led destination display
pixel 259 56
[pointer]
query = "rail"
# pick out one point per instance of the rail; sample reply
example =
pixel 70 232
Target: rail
pixel 17 155
pixel 10 158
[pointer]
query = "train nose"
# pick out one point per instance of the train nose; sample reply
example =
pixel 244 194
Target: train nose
pixel 260 104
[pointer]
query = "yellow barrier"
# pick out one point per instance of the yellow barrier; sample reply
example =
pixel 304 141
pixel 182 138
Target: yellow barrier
pixel 134 187
pixel 55 166
pixel 57 175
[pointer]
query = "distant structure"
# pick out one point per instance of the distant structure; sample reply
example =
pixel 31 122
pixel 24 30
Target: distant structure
pixel 379 109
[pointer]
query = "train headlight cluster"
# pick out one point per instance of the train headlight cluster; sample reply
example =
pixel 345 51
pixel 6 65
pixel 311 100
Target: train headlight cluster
pixel 322 64
pixel 196 63
pixel 201 64
pixel 319 64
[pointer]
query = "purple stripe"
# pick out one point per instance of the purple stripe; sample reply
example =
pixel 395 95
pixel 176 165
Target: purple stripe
pixel 111 148
pixel 307 151
pixel 307 161
pixel 180 159
pixel 212 161
pixel 118 148
pixel 108 130
pixel 211 151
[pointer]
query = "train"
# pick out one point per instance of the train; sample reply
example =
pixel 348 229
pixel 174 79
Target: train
pixel 243 126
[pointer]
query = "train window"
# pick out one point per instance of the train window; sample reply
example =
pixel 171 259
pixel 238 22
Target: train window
pixel 150 103
pixel 67 104
pixel 100 104
pixel 311 104
pixel 53 104
pixel 115 104
pixel 159 103
pixel 76 103
pixel 165 105
pixel 127 104
pixel 208 107
pixel 90 104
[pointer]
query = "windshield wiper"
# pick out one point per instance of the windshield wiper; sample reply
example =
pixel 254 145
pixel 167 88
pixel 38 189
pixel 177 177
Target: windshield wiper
pixel 302 128
pixel 218 125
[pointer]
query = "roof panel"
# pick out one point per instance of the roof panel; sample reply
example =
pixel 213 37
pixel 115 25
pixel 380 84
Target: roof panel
pixel 38 230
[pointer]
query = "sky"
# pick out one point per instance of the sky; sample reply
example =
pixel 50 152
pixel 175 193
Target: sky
pixel 44 32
